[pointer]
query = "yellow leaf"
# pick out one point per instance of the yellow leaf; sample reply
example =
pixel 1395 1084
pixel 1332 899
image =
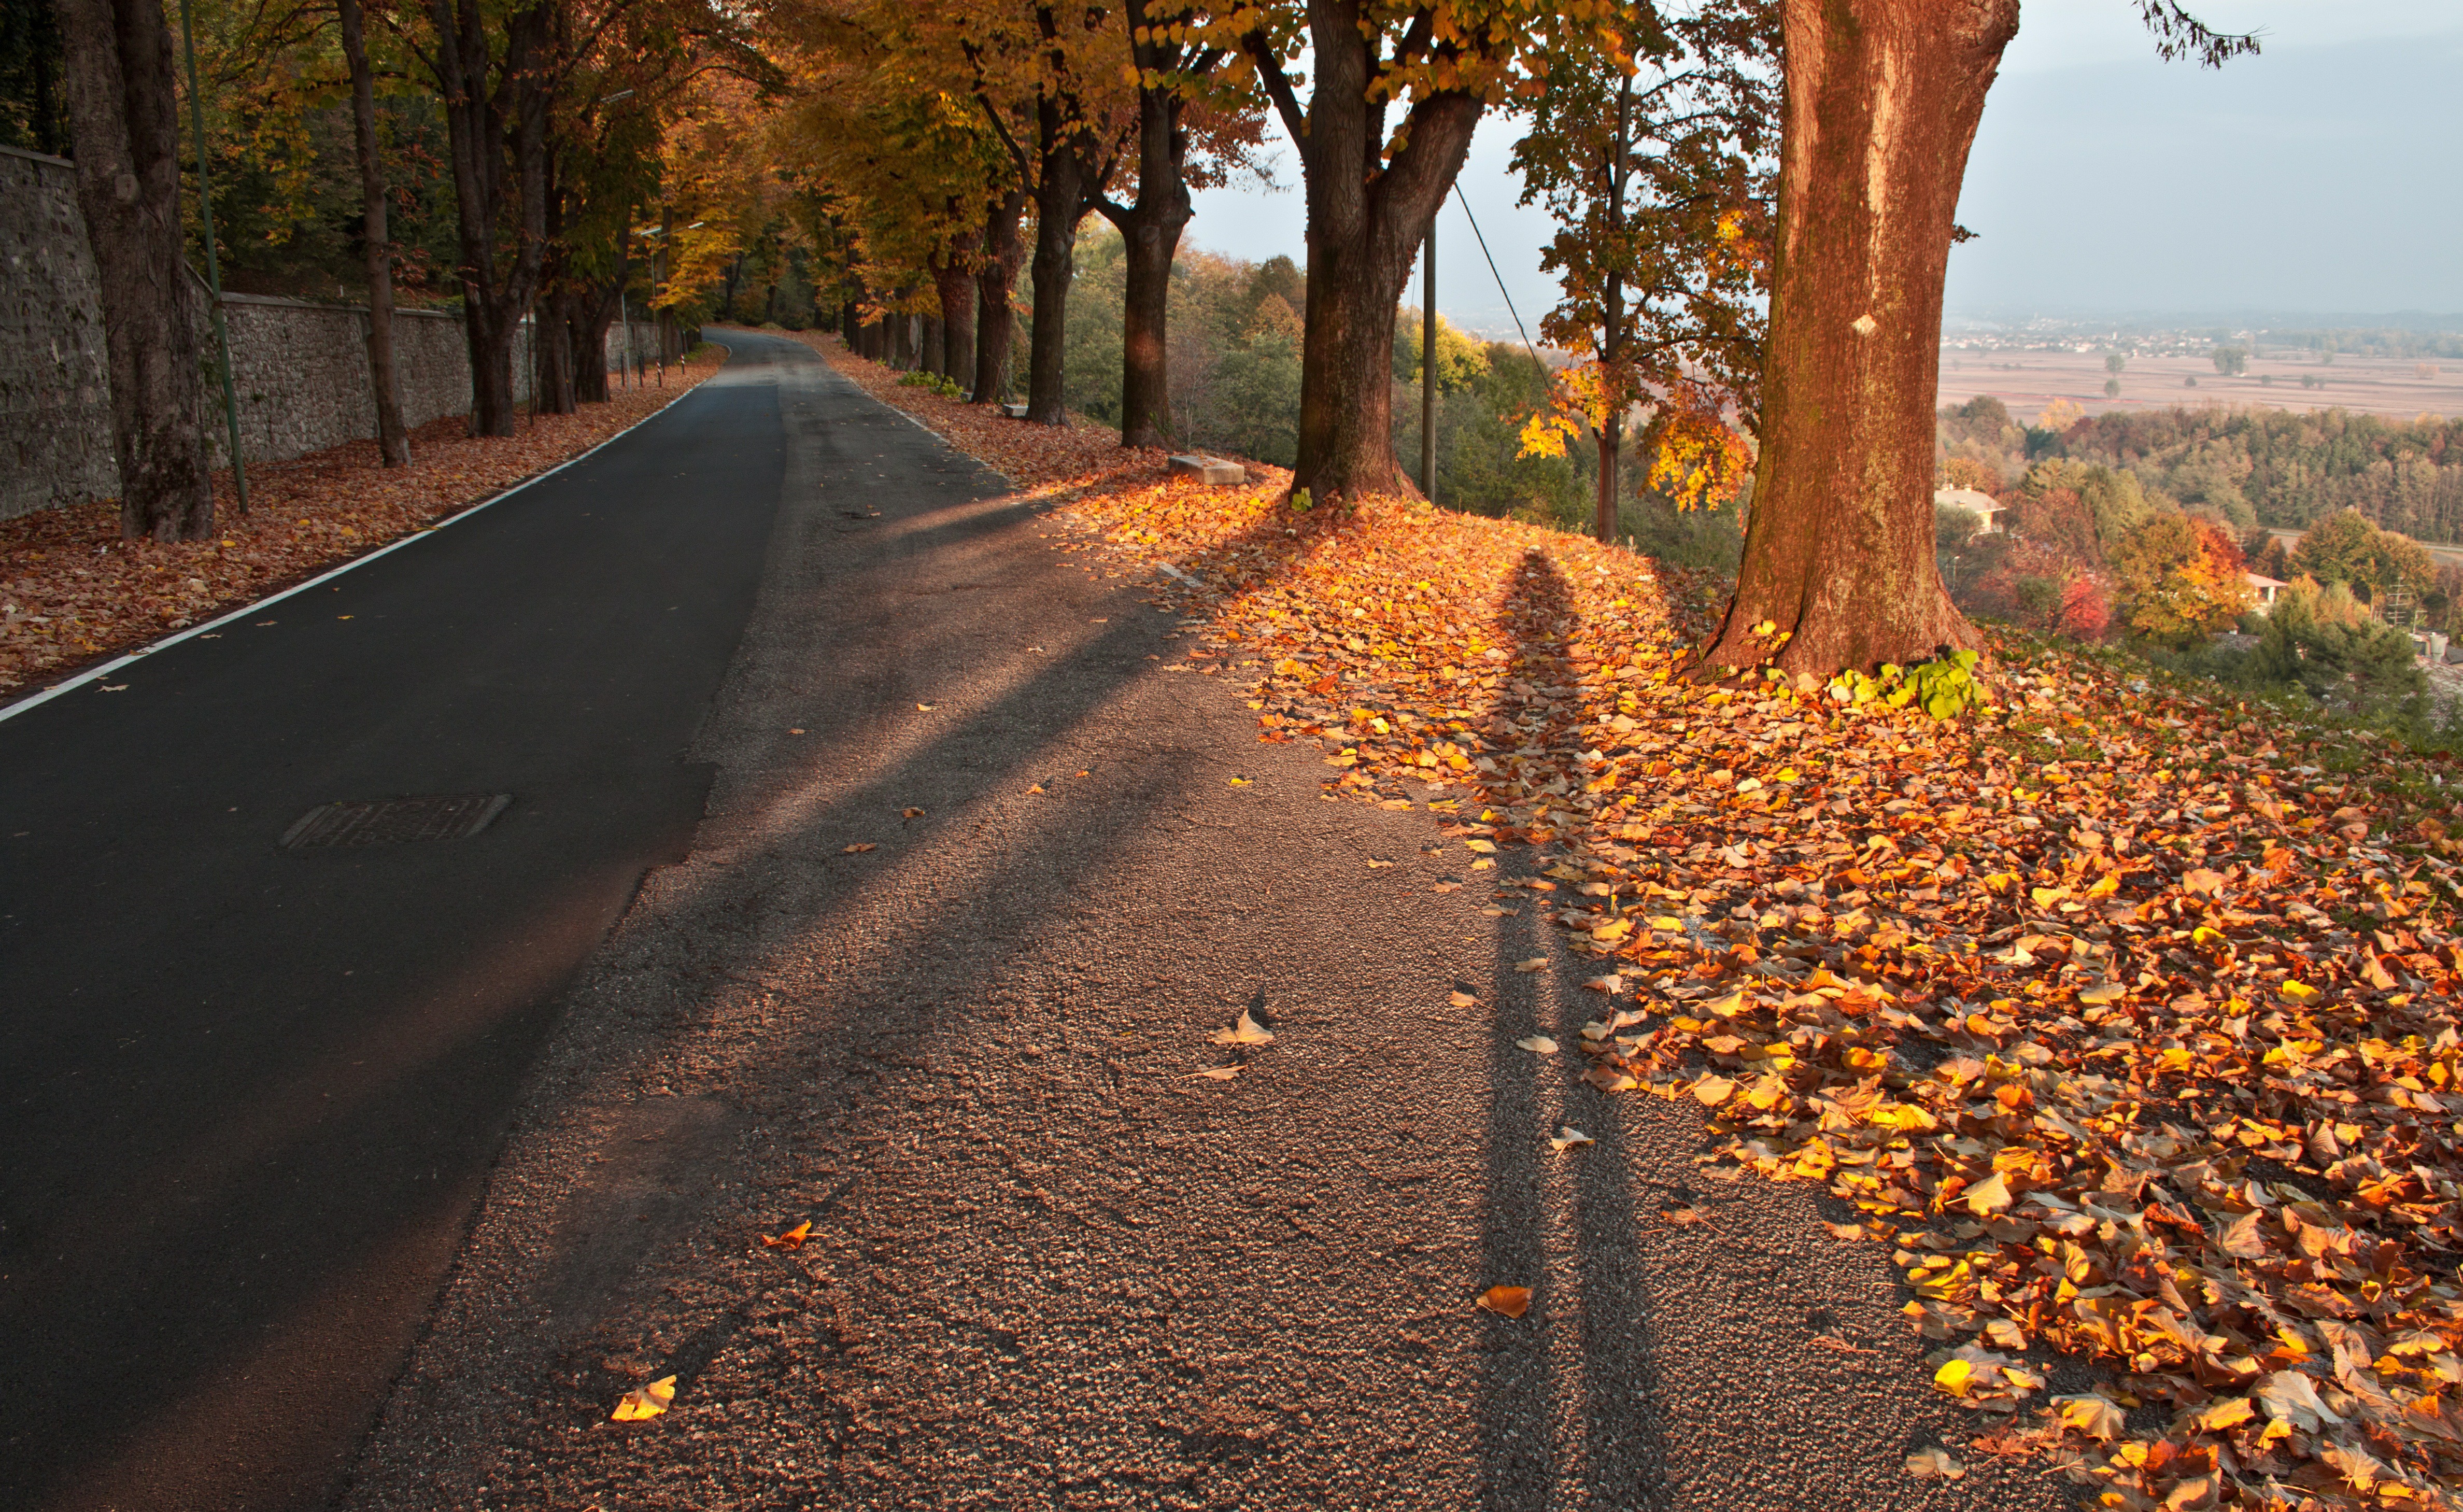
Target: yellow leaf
pixel 2299 992
pixel 1988 1196
pixel 2209 938
pixel 1727 1007
pixel 2227 1414
pixel 1481 846
pixel 2099 1417
pixel 2103 992
pixel 1954 1376
pixel 1248 1031
pixel 645 1401
pixel 1713 1090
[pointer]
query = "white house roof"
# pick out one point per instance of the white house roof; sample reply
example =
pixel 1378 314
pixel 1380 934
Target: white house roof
pixel 2259 580
pixel 1973 499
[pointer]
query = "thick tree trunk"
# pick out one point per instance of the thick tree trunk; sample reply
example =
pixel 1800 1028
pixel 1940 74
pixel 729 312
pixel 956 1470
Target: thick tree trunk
pixel 384 379
pixel 554 373
pixel 932 357
pixel 1882 99
pixel 485 128
pixel 1062 199
pixel 123 118
pixel 1365 219
pixel 850 327
pixel 995 322
pixel 1150 231
pixel 590 316
pixel 956 288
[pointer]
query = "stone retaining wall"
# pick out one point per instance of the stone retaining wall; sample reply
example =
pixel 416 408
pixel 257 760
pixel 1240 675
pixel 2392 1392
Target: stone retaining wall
pixel 299 370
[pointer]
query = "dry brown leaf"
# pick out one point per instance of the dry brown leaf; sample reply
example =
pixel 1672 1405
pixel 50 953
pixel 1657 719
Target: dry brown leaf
pixel 1511 1302
pixel 1247 1030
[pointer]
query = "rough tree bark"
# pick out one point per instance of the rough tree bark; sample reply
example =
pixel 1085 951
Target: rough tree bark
pixel 555 394
pixel 995 322
pixel 1882 99
pixel 1067 180
pixel 123 120
pixel 384 379
pixel 1365 219
pixel 1150 237
pixel 486 126
pixel 956 287
pixel 933 357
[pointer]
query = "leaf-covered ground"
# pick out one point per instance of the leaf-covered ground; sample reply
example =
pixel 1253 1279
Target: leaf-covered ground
pixel 2124 1014
pixel 73 591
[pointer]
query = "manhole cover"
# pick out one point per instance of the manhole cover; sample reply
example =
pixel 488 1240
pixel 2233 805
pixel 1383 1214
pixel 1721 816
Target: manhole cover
pixel 395 821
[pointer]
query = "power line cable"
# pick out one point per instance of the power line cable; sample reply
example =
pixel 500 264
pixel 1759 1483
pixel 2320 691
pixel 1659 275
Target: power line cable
pixel 1498 277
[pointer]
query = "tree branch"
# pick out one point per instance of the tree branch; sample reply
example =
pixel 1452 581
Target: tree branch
pixel 2179 34
pixel 1278 84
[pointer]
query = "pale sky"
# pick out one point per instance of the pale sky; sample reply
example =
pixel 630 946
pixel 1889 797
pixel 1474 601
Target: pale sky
pixel 2320 176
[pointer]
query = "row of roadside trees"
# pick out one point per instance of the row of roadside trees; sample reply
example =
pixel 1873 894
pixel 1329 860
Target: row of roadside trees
pixel 1754 204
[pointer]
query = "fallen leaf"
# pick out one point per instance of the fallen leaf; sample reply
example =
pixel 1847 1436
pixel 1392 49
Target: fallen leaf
pixel 1844 1230
pixel 910 813
pixel 1537 963
pixel 794 732
pixel 645 1401
pixel 1935 1464
pixel 1242 782
pixel 925 708
pixel 1219 1073
pixel 1462 1000
pixel 1537 1044
pixel 858 849
pixel 793 1239
pixel 1713 1090
pixel 1379 865
pixel 1511 1302
pixel 1568 1137
pixel 1727 1007
pixel 1247 1030
pixel 1988 1196
pixel 2099 1417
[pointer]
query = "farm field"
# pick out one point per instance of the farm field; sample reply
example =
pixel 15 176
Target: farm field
pixel 2398 389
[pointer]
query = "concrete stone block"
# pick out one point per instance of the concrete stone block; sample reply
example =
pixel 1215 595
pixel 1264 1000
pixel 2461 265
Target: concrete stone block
pixel 1211 469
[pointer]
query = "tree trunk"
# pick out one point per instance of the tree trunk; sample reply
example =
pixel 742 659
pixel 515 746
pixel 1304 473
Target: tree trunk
pixel 1365 218
pixel 1882 99
pixel 485 127
pixel 1150 231
pixel 554 375
pixel 933 354
pixel 123 118
pixel 995 322
pixel 591 315
pixel 1061 201
pixel 384 379
pixel 850 324
pixel 956 288
pixel 902 341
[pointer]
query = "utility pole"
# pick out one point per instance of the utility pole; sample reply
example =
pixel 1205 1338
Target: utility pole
pixel 213 264
pixel 1428 362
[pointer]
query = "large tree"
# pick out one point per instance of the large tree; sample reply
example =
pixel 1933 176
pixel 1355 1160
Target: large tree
pixel 1399 88
pixel 125 122
pixel 1657 165
pixel 1882 102
pixel 384 377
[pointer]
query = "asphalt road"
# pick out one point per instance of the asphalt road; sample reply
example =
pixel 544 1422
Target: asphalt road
pixel 984 872
pixel 252 1095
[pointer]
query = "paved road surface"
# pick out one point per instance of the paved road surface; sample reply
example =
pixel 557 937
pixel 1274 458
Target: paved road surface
pixel 1050 1267
pixel 252 1095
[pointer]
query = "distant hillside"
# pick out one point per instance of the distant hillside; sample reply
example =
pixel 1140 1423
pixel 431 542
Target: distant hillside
pixel 2254 466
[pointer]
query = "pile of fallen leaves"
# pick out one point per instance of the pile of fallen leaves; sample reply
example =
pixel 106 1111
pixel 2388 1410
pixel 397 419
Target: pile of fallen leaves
pixel 1044 460
pixel 72 590
pixel 2124 1013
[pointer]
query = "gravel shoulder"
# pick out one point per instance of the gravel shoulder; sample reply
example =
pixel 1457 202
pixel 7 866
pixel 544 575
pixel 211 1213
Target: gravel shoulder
pixel 1049 1265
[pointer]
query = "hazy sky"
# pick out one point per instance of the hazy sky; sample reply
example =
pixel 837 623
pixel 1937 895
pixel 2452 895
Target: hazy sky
pixel 2320 176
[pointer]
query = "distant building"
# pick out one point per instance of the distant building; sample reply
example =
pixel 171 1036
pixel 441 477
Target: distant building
pixel 2266 588
pixel 1976 502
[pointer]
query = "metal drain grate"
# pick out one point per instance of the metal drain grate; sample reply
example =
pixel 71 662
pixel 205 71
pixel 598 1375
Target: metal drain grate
pixel 395 822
